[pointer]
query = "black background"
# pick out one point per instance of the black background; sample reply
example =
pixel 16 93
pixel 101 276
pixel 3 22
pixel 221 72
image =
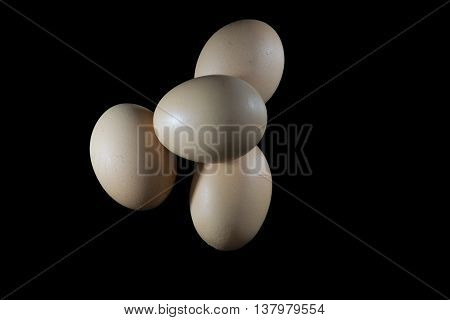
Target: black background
pixel 377 151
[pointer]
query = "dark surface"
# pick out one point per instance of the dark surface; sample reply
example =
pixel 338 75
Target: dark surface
pixel 377 151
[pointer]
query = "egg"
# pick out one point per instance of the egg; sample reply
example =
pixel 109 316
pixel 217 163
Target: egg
pixel 211 119
pixel 128 160
pixel 229 201
pixel 248 49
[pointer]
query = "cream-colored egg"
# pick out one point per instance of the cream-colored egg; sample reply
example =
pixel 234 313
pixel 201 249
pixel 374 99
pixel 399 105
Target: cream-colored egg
pixel 128 160
pixel 211 119
pixel 229 201
pixel 248 49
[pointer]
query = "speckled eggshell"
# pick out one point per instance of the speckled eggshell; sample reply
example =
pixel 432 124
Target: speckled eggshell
pixel 219 103
pixel 118 157
pixel 248 49
pixel 229 201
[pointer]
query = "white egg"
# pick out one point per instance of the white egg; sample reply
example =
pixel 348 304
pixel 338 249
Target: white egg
pixel 211 119
pixel 229 201
pixel 128 160
pixel 247 49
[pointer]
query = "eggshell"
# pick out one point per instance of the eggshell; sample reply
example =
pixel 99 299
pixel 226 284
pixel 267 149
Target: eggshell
pixel 128 160
pixel 248 49
pixel 211 119
pixel 229 201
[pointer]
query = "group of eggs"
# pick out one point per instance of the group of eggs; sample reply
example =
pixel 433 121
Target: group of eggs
pixel 238 70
